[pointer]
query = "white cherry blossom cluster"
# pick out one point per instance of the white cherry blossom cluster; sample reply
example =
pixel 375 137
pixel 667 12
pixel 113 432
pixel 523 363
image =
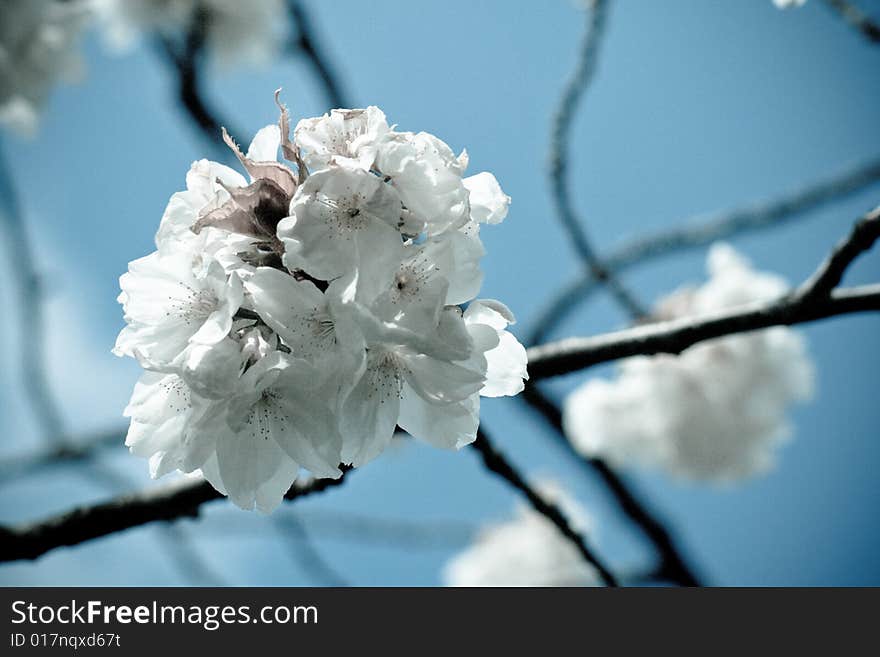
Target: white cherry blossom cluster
pixel 297 317
pixel 38 46
pixel 249 32
pixel 717 411
pixel 527 550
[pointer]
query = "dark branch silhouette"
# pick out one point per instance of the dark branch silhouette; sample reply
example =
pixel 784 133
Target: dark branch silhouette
pixel 29 301
pixel 701 231
pixel 673 337
pixel 66 450
pixel 497 463
pixel 802 305
pixel 187 60
pixel 309 45
pixel 293 532
pixel 588 55
pixel 181 499
pixel 672 567
pixel 858 19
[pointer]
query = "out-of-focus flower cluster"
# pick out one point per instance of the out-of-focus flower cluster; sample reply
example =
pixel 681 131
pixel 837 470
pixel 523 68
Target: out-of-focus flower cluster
pixel 788 4
pixel 528 550
pixel 233 31
pixel 717 411
pixel 38 40
pixel 296 317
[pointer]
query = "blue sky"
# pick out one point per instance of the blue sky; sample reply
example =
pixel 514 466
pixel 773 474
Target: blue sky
pixel 698 106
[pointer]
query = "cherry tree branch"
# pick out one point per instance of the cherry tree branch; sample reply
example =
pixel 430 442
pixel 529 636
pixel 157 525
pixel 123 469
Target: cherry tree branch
pixel 309 45
pixel 700 231
pixel 181 499
pixel 588 57
pixel 66 450
pixel 186 60
pixel 673 566
pixel 34 374
pixel 808 303
pixel 803 305
pixel 29 291
pixel 497 463
pixel 858 19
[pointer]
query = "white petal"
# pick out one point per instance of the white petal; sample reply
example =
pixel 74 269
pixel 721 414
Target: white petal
pixel 488 203
pixel 264 147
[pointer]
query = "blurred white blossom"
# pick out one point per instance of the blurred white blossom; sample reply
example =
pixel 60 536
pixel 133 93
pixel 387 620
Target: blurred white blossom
pixel 38 46
pixel 786 4
pixel 297 317
pixel 235 32
pixel 527 550
pixel 717 411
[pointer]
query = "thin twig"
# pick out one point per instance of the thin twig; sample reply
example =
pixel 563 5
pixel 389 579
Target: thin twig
pixel 673 337
pixel 497 463
pixel 552 359
pixel 673 567
pixel 858 19
pixel 588 55
pixel 67 450
pixel 181 499
pixel 30 309
pixel 310 559
pixel 187 60
pixel 308 44
pixel 700 231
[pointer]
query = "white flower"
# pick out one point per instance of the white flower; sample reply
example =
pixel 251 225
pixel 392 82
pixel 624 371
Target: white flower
pixel 169 305
pixel 296 318
pixel 506 361
pixel 787 4
pixel 717 411
pixel 427 175
pixel 275 419
pixel 343 137
pixel 339 218
pixel 488 203
pixel 248 32
pixel 527 550
pixel 38 40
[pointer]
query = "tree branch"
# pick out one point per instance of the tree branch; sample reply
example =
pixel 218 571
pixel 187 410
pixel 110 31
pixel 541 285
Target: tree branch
pixel 495 462
pixel 808 303
pixel 673 337
pixel 307 43
pixel 856 18
pixel 698 232
pixel 30 311
pixel 588 56
pixel 67 450
pixel 673 567
pixel 85 523
pixel 187 60
pixel 805 304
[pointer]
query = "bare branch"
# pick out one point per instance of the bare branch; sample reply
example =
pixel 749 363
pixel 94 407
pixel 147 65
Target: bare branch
pixel 856 18
pixel 85 523
pixel 495 462
pixel 588 56
pixel 312 562
pixel 553 359
pixel 187 60
pixel 700 231
pixel 308 44
pixel 68 450
pixel 831 271
pixel 673 337
pixel 673 566
pixel 28 286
